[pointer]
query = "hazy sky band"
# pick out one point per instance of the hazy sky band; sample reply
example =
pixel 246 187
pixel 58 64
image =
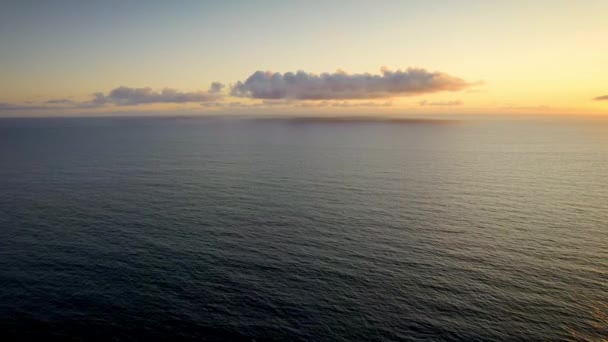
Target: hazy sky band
pixel 534 55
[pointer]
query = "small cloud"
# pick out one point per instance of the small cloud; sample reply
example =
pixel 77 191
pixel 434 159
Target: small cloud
pixel 98 100
pixel 232 104
pixel 601 98
pixel 350 104
pixel 59 101
pixel 324 103
pixel 216 87
pixel 125 96
pixel 15 107
pixel 357 120
pixel 343 86
pixel 440 103
pixel 274 102
pixel 212 104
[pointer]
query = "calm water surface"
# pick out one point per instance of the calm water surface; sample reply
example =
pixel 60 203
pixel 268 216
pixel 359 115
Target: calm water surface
pixel 304 229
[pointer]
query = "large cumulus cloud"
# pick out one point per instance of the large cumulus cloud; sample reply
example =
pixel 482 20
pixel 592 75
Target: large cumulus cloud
pixel 125 96
pixel 343 86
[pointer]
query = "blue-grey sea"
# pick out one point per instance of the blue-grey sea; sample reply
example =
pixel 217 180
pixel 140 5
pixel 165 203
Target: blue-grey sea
pixel 304 229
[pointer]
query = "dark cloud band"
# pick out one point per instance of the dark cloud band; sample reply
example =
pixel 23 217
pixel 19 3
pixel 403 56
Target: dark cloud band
pixel 343 86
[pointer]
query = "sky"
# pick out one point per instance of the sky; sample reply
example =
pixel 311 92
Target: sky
pixel 293 57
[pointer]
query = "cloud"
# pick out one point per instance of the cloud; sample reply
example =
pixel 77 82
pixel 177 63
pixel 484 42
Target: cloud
pixel 296 104
pixel 601 98
pixel 440 103
pixel 357 119
pixel 212 104
pixel 125 96
pixel 59 101
pixel 14 107
pixel 216 87
pixel 343 86
pixel 345 104
pixel 99 99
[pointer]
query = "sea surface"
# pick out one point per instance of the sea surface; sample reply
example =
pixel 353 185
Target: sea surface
pixel 304 229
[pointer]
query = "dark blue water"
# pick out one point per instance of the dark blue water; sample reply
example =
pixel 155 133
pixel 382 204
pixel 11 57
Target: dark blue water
pixel 304 229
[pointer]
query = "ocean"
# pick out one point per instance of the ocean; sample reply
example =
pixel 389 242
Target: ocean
pixel 304 229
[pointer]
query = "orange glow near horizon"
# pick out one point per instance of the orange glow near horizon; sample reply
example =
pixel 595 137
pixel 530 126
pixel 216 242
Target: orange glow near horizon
pixel 546 57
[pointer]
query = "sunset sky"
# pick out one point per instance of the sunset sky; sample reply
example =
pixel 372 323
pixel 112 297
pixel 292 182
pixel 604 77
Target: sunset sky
pixel 251 57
